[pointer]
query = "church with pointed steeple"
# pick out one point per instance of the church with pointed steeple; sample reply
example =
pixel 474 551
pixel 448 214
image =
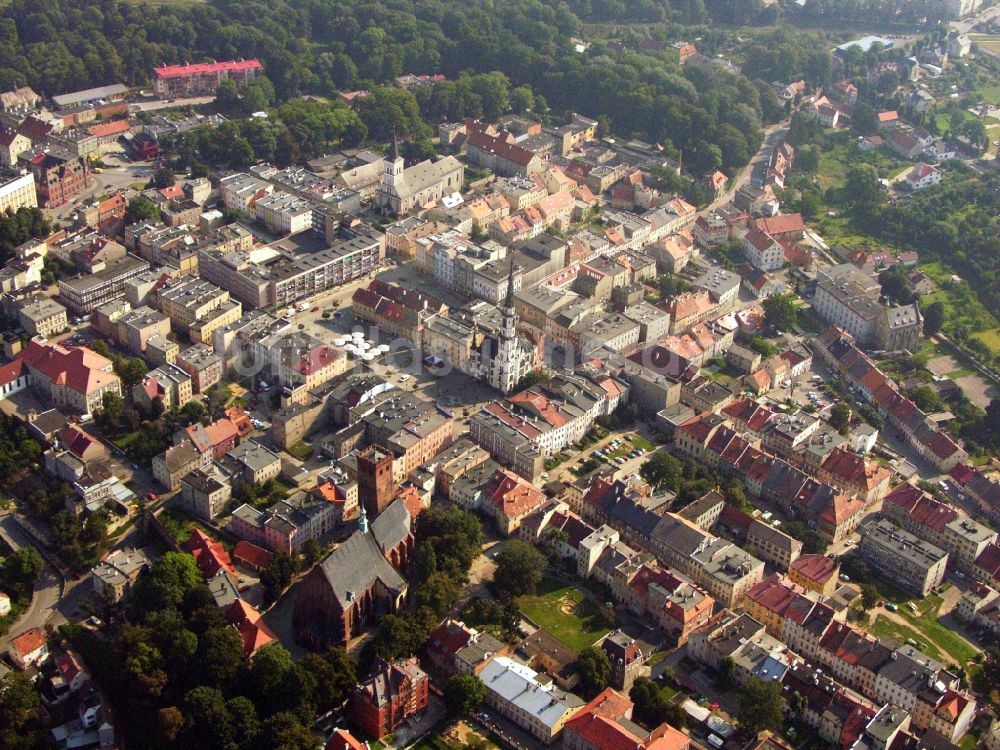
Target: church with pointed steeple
pixel 408 188
pixel 505 357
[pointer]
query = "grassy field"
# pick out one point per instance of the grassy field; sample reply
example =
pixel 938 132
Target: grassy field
pixel 180 525
pixel 928 629
pixel 883 628
pixel 565 613
pixel 835 161
pixel 991 338
pixel 989 42
pixel 301 451
pixel 943 120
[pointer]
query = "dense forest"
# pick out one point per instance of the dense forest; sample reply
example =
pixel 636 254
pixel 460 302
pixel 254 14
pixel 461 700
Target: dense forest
pixel 323 46
pixel 958 223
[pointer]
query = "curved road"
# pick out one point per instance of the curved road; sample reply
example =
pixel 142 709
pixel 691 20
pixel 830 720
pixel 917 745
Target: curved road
pixel 48 588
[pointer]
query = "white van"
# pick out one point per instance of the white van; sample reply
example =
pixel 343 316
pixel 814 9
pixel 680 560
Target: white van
pixel 715 741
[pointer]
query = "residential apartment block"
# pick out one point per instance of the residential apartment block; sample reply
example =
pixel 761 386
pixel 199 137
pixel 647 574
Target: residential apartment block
pixel 75 379
pixel 902 558
pixel 202 79
pixel 18 192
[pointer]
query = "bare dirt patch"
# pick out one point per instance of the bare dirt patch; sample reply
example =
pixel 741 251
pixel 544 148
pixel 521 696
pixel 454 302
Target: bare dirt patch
pixel 977 390
pixel 943 365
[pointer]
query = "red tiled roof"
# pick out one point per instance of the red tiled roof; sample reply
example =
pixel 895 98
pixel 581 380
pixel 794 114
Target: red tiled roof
pixel 411 499
pixel 175 71
pixel 841 508
pixel 989 560
pixel 760 239
pixel 80 369
pixel 251 554
pixel 818 568
pixel 317 358
pixel 11 371
pixel 252 629
pixel 341 739
pixel 511 495
pixel 113 203
pixel 449 637
pixel 68 666
pixel 772 594
pixel 210 555
pixel 783 224
pixel 28 641
pixel 853 469
pixel 500 147
pixel 108 128
pixel 77 441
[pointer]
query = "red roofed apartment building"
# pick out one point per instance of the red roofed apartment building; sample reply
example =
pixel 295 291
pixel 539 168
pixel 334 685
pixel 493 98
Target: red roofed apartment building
pixel 606 724
pixel 213 440
pixel 71 378
pixel 202 79
pixel 853 474
pixel 816 573
pixel 394 692
pixel 210 555
pixel 510 499
pixel 502 157
pixel 763 252
pixel 949 714
pixel 783 226
pixel 248 623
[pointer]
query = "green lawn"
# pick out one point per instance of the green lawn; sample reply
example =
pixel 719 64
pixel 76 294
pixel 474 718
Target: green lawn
pixel 929 628
pixel 835 161
pixel 438 741
pixel 883 628
pixel 564 612
pixel 657 658
pixel 301 451
pixel 180 525
pixel 991 338
pixel 990 42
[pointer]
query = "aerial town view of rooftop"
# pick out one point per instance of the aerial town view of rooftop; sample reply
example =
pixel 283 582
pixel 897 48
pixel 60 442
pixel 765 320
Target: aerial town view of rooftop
pixel 526 374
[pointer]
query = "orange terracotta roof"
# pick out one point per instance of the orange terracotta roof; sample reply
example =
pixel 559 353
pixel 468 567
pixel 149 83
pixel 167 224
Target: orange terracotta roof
pixel 28 641
pixel 108 128
pixel 210 555
pixel 341 739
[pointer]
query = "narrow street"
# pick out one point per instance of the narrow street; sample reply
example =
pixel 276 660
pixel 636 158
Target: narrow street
pixel 48 588
pixel 773 135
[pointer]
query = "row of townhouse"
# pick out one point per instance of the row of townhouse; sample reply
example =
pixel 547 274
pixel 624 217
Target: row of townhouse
pixel 722 569
pixel 915 511
pixel 674 602
pixel 788 436
pixel 836 348
pixel 814 646
pixel 543 419
pixel 832 512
